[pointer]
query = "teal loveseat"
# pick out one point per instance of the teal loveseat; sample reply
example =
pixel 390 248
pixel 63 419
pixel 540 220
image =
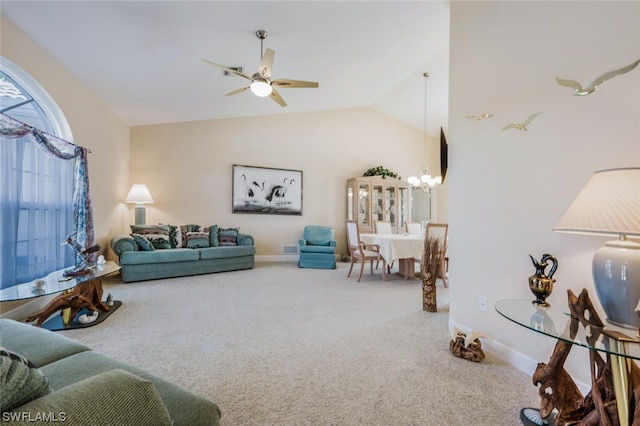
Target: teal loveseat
pixel 201 257
pixel 67 383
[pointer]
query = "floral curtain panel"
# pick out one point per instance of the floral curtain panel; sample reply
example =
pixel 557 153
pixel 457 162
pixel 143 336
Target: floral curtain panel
pixel 83 230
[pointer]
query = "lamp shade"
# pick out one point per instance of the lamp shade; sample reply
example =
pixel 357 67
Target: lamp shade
pixel 139 194
pixel 609 204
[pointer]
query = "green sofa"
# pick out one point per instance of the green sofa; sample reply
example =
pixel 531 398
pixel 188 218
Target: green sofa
pixel 140 265
pixel 86 388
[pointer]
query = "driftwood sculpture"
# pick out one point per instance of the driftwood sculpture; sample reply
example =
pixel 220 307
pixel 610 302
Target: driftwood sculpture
pixel 431 258
pixel 472 351
pixel 558 391
pixel 85 295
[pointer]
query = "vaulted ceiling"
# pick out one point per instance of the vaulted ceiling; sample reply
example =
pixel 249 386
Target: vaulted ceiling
pixel 143 58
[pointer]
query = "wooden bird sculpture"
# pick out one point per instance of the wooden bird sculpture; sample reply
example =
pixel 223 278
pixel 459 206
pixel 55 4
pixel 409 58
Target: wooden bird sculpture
pixel 479 117
pixel 522 126
pixel 595 86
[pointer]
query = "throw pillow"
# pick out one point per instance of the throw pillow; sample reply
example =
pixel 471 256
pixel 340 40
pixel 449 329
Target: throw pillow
pixel 228 237
pixel 158 235
pixel 213 236
pixel 188 228
pixel 16 357
pixel 197 239
pixel 19 382
pixel 175 236
pixel 141 240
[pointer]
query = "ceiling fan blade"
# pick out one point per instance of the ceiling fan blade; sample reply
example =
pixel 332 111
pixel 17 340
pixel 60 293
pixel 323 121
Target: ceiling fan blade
pixel 285 83
pixel 227 69
pixel 235 92
pixel 276 97
pixel 267 63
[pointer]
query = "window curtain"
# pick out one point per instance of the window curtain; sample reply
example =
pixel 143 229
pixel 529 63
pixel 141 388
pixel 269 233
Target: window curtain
pixel 34 188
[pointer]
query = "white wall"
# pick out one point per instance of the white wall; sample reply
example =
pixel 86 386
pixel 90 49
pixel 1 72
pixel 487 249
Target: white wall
pixel 509 188
pixel 188 167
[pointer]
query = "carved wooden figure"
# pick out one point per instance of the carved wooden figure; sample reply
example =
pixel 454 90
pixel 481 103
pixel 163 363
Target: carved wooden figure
pixel 557 389
pixel 85 295
pixel 472 351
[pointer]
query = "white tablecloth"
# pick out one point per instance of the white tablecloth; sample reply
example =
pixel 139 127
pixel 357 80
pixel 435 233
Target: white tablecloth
pixel 396 246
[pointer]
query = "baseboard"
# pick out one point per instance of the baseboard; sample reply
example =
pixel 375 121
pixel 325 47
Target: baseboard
pixel 283 258
pixel 516 359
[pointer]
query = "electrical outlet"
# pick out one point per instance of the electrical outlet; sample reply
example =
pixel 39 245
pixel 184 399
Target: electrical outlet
pixel 482 303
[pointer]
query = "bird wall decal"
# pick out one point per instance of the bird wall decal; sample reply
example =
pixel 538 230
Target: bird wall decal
pixel 595 86
pixel 522 126
pixel 480 117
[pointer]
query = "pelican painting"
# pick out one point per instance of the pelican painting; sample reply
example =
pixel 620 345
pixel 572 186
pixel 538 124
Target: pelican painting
pixel 266 190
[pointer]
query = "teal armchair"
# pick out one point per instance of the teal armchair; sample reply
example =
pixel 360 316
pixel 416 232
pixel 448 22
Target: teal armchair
pixel 317 248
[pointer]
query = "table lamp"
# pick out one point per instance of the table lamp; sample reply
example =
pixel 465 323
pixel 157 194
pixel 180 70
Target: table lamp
pixel 609 205
pixel 139 194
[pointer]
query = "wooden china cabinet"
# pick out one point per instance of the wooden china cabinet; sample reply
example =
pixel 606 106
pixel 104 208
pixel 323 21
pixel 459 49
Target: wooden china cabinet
pixel 373 198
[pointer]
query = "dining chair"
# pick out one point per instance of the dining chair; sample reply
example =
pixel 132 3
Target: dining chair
pixel 413 228
pixel 382 227
pixel 361 252
pixel 441 232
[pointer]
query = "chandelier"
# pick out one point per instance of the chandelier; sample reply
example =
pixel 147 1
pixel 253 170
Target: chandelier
pixel 425 181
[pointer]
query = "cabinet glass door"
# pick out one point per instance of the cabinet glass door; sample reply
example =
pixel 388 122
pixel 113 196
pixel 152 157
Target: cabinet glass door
pixel 391 206
pixel 364 215
pixel 350 202
pixel 403 208
pixel 378 203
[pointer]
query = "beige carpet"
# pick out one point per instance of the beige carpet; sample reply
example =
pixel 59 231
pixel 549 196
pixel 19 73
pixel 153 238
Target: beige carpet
pixel 278 345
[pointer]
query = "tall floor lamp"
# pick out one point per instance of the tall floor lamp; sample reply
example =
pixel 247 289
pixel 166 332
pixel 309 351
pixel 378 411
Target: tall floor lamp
pixel 609 205
pixel 139 194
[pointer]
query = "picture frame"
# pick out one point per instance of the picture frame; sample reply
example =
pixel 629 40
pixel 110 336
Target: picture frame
pixel 266 190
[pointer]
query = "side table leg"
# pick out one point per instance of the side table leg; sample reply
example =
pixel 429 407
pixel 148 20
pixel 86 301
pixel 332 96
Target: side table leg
pixel 620 370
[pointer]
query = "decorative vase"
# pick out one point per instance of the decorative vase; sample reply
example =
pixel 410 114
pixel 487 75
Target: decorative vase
pixel 540 283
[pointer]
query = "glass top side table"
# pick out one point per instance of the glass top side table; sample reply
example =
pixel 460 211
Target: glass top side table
pixel 616 344
pixel 55 282
pixel 76 294
pixel 555 321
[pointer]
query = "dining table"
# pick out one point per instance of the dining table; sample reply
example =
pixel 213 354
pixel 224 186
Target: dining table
pixel 403 248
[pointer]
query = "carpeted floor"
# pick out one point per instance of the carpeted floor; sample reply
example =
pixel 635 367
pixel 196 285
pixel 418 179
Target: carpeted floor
pixel 279 345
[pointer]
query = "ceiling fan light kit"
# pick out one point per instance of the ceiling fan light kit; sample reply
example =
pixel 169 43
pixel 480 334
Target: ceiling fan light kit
pixel 261 83
pixel 261 88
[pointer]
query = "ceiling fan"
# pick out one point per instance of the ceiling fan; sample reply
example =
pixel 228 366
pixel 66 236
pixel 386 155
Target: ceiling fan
pixel 261 83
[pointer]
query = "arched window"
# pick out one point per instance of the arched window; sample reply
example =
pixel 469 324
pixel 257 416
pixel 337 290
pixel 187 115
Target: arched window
pixel 36 190
pixel 23 98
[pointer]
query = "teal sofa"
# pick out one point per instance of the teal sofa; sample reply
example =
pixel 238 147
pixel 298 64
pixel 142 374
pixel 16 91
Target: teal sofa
pixel 140 265
pixel 67 383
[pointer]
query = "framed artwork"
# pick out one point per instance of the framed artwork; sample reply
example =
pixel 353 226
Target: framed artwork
pixel 266 190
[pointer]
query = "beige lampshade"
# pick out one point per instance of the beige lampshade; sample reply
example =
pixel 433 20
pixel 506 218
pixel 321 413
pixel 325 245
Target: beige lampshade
pixel 139 194
pixel 609 204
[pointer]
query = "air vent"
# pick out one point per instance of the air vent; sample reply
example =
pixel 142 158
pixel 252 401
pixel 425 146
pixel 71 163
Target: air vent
pixel 289 249
pixel 227 73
